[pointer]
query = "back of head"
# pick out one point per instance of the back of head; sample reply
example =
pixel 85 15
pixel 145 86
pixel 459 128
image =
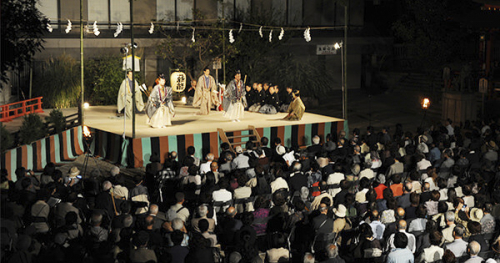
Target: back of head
pixel 474 248
pixel 309 258
pixel 435 238
pixel 203 225
pixel 332 251
pixel 400 240
pixel 458 231
pixel 190 150
pixel 179 197
pixel 448 257
pixel 264 141
pixel 177 237
pixel 316 140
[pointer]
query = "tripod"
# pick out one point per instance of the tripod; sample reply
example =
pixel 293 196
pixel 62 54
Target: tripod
pixel 89 154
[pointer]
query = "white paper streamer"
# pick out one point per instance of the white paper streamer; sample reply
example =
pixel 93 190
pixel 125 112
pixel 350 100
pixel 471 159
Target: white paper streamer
pixel 96 30
pixel 271 36
pixel 151 29
pixel 260 32
pixel 307 34
pixel 282 34
pixel 119 29
pixel 49 27
pixel 241 27
pixel 231 38
pixel 68 27
pixel 192 36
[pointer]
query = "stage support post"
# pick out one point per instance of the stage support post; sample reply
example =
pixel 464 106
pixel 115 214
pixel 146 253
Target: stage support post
pixel 133 65
pixel 81 110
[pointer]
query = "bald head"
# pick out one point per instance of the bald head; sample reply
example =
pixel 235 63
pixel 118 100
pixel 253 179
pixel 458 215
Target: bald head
pixel 408 187
pixel 231 211
pixel 402 224
pixel 427 186
pixel 400 212
pixel 474 248
pixel 153 209
pixel 374 216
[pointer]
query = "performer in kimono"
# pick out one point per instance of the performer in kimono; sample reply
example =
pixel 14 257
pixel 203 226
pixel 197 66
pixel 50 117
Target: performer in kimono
pixel 160 108
pixel 206 93
pixel 237 98
pixel 296 109
pixel 226 97
pixel 125 96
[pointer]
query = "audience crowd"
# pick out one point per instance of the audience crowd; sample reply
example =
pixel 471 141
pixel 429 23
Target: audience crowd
pixel 376 196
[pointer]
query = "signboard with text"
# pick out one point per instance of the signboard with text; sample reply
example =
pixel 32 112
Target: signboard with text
pixel 326 50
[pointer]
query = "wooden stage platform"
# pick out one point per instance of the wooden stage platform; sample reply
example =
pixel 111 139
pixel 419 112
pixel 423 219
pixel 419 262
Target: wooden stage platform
pixel 188 129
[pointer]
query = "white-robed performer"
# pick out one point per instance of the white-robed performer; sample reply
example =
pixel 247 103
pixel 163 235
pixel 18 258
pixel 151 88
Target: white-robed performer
pixel 206 93
pixel 125 96
pixel 237 99
pixel 160 108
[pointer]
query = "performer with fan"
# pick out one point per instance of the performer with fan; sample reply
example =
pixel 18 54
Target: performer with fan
pixel 237 99
pixel 160 108
pixel 125 96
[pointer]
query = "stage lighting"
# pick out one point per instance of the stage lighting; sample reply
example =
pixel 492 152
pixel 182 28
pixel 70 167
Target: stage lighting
pixel 86 105
pixel 183 99
pixel 337 45
pixel 124 50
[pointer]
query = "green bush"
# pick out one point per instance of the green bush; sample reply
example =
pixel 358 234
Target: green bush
pixel 56 118
pixel 103 77
pixel 59 83
pixel 6 140
pixel 32 129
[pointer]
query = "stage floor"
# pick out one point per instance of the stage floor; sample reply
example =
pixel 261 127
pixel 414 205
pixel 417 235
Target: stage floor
pixel 187 122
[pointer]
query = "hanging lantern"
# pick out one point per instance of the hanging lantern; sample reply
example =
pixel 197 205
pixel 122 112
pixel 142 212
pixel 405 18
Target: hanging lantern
pixel 178 81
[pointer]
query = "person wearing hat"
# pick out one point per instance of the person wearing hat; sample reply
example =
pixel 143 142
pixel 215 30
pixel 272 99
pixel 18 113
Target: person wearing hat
pixel 206 93
pixel 72 177
pixel 124 100
pixel 159 107
pixel 235 101
pixel 296 109
pixel 241 160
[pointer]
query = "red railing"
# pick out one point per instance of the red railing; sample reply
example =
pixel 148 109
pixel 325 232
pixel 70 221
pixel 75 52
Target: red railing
pixel 11 111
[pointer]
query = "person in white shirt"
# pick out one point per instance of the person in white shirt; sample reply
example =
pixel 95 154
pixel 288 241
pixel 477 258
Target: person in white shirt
pixel 377 227
pixel 412 244
pixel 205 167
pixel 179 209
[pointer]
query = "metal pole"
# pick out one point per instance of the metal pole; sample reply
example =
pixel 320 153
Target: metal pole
pixel 81 63
pixel 342 78
pixel 133 65
pixel 346 18
pixel 223 44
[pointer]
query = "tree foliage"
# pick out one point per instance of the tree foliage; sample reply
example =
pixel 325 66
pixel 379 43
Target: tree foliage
pixel 56 118
pixel 6 140
pixel 59 82
pixel 32 129
pixel 22 28
pixel 433 30
pixel 103 77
